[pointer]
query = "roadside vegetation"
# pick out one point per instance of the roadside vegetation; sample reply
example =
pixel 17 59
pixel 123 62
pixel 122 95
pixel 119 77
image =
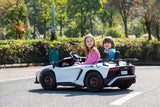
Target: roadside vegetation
pixel 37 51
pixel 26 31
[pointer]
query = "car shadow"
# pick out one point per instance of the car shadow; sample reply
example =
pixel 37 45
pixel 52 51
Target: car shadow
pixel 71 91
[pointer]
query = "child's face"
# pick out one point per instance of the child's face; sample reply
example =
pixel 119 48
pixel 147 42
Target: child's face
pixel 89 42
pixel 107 45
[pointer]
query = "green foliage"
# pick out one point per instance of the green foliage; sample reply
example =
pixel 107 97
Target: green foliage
pixel 71 31
pixel 142 49
pixel 60 13
pixel 136 28
pixel 23 51
pixel 88 16
pixel 81 10
pixel 16 18
pixel 37 51
pixel 113 32
pixel 11 33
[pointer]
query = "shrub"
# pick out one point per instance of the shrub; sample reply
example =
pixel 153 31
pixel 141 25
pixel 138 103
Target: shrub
pixel 113 32
pixel 37 51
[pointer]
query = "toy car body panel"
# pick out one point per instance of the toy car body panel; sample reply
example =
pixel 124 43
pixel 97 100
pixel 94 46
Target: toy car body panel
pixel 117 73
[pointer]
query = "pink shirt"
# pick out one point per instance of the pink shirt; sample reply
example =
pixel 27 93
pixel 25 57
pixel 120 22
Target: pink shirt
pixel 92 58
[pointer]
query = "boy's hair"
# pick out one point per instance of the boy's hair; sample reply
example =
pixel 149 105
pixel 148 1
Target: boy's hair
pixel 109 40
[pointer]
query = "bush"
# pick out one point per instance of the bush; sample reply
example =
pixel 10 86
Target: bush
pixel 113 32
pixel 37 51
pixel 11 33
pixel 145 51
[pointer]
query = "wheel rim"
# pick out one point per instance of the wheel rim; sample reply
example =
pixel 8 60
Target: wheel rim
pixel 48 80
pixel 94 82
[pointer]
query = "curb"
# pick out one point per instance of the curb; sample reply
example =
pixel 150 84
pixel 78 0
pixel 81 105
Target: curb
pixel 22 65
pixel 146 63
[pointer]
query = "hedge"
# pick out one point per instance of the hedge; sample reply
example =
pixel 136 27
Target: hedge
pixel 37 51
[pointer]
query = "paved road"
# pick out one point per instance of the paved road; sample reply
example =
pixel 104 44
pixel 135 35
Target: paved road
pixel 24 93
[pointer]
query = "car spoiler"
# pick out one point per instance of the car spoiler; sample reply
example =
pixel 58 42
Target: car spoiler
pixel 127 60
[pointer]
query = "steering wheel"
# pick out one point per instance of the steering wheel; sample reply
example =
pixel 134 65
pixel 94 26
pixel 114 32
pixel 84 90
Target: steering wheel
pixel 75 56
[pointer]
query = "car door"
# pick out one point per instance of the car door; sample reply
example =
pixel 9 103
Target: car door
pixel 67 74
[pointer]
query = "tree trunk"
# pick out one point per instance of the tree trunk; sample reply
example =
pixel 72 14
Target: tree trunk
pixel 45 30
pixel 82 26
pixel 157 30
pixel 111 21
pixel 34 7
pixel 34 36
pixel 148 25
pixel 60 26
pixel 126 30
pixel 82 31
pixel 82 22
pixel 91 26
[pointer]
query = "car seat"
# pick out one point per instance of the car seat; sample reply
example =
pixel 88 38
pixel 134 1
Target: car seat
pixel 117 55
pixel 106 56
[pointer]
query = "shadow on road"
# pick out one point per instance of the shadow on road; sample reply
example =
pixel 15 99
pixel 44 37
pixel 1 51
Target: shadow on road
pixel 71 91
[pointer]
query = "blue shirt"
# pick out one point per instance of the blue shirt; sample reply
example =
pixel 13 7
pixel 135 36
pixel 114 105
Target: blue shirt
pixel 111 53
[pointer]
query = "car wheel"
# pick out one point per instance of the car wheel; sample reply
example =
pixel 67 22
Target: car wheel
pixel 94 82
pixel 125 84
pixel 48 80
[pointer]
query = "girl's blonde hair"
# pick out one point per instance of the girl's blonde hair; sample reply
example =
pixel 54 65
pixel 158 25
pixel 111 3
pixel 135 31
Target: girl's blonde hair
pixel 109 40
pixel 93 47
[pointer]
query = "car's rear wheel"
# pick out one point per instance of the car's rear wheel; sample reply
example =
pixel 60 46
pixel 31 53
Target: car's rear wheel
pixel 94 82
pixel 48 80
pixel 125 84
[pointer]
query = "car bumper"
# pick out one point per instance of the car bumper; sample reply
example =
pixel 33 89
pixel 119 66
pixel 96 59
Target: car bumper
pixel 120 78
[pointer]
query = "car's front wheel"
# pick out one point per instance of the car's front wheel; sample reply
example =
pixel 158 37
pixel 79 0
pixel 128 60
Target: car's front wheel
pixel 94 82
pixel 48 80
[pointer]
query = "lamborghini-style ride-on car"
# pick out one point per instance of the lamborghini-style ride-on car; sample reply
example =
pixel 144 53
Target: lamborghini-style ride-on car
pixel 116 73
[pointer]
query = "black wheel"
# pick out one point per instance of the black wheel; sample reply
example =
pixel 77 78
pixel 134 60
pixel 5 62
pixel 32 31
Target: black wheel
pixel 125 84
pixel 94 82
pixel 48 80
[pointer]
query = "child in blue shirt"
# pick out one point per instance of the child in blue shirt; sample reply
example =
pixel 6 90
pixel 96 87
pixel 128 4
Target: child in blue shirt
pixel 109 46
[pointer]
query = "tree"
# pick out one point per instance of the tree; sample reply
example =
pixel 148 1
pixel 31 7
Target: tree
pixel 146 10
pixel 124 7
pixel 5 5
pixel 106 15
pixel 44 17
pixel 60 13
pixel 80 10
pixel 157 17
pixel 33 12
pixel 16 17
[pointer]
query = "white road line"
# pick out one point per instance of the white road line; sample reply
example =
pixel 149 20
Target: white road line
pixel 16 79
pixel 125 98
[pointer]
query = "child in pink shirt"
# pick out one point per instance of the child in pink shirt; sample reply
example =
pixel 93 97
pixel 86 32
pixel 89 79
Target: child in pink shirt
pixel 92 53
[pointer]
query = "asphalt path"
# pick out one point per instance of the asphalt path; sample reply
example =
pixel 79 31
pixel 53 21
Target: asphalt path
pixel 22 92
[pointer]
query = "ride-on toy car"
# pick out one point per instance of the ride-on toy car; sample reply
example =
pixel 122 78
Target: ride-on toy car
pixel 116 73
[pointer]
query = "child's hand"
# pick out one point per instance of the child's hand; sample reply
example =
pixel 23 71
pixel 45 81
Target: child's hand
pixel 77 63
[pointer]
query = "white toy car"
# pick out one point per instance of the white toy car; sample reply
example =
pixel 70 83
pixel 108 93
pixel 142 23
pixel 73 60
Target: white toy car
pixel 116 73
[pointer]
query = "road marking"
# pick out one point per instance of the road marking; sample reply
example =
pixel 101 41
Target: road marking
pixel 16 79
pixel 125 98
